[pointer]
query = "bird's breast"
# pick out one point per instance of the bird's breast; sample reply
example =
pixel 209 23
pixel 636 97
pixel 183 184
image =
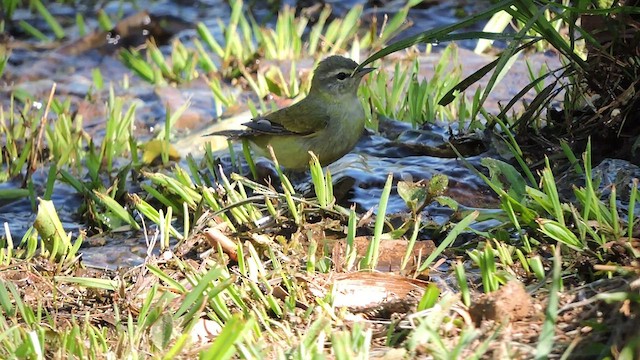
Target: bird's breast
pixel 338 137
pixel 341 134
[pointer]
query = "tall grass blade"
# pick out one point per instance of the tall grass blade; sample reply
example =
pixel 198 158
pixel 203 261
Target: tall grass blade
pixel 547 334
pixel 448 240
pixel 371 258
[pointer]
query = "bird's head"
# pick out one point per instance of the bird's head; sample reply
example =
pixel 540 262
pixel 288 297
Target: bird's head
pixel 335 76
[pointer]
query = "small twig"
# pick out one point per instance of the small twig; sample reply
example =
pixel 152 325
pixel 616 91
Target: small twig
pixel 43 122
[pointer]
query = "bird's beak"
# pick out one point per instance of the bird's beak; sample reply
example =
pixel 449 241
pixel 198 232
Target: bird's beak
pixel 362 72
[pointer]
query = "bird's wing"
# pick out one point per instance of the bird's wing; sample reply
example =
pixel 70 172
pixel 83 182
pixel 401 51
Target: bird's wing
pixel 302 118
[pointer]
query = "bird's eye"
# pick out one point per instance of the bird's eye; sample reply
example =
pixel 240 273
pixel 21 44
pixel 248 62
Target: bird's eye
pixel 342 76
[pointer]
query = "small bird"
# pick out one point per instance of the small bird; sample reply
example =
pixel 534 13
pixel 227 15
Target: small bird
pixel 328 122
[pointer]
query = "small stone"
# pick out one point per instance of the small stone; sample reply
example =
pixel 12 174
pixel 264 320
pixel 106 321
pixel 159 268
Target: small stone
pixel 510 303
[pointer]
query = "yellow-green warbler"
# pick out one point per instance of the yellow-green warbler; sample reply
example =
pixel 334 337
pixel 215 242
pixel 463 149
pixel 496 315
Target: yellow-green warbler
pixel 328 122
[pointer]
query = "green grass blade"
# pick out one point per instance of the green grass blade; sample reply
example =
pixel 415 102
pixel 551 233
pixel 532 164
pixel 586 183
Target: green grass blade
pixel 453 234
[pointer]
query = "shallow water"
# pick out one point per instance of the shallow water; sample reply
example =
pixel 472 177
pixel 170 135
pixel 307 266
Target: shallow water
pixel 33 70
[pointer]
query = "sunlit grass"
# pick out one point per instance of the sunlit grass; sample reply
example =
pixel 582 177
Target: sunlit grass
pixel 255 277
pixel 407 94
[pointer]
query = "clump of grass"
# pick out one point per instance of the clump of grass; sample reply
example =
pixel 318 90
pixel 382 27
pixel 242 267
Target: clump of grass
pixel 408 96
pixel 244 38
pixel 156 69
pixel 5 53
pixel 19 137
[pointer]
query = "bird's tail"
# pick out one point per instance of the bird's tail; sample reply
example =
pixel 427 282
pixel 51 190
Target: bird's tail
pixel 231 134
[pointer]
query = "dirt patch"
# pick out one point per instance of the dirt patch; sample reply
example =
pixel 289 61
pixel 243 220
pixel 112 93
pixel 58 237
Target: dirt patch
pixel 510 303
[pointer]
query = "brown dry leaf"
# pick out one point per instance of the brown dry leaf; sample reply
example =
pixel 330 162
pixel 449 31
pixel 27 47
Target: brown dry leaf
pixel 361 291
pixel 216 237
pixel 390 256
